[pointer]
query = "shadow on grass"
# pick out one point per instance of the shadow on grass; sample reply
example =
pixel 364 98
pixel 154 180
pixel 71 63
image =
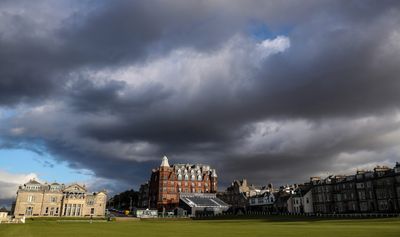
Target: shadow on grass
pixel 293 219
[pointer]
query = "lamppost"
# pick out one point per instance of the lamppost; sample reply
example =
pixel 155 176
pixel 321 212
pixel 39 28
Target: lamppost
pixel 130 204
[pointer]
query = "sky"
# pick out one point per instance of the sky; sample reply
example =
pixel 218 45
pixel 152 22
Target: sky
pixel 273 91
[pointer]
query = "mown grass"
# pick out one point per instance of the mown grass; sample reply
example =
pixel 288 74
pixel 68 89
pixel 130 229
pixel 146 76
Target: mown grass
pixel 270 226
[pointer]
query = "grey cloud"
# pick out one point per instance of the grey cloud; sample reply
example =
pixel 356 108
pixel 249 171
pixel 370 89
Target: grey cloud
pixel 342 65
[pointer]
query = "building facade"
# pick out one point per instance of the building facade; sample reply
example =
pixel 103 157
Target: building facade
pixel 301 200
pixel 243 197
pixel 55 200
pixel 143 201
pixel 364 192
pixel 237 195
pixel 168 181
pixel 3 215
pixel 262 202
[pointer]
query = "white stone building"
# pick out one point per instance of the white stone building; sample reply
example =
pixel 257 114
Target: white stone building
pixel 3 215
pixel 301 200
pixel 54 200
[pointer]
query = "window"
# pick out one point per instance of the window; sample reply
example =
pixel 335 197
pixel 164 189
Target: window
pixel 73 212
pixel 31 198
pixel 47 210
pixel 92 211
pixel 179 177
pixel 199 177
pixel 68 210
pixel 199 184
pixel 65 210
pixel 53 199
pixel 78 210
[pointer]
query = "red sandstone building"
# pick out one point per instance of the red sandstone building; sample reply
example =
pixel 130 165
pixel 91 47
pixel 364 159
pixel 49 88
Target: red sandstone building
pixel 168 182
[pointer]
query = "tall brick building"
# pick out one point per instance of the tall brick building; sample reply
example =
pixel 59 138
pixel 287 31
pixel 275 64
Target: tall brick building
pixel 168 181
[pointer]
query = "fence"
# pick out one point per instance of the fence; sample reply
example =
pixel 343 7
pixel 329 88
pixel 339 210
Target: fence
pixel 318 215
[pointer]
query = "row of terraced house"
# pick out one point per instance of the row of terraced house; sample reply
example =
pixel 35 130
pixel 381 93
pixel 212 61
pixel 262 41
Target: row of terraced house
pixel 372 191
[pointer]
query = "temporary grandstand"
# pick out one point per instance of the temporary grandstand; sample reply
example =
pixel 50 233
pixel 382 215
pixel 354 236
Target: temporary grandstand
pixel 202 204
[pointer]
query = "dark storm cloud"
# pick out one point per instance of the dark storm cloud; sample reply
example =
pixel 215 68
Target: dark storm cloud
pixel 101 34
pixel 125 30
pixel 112 96
pixel 341 67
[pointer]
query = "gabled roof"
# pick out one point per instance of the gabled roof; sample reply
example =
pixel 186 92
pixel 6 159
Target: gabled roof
pixel 75 187
pixel 3 209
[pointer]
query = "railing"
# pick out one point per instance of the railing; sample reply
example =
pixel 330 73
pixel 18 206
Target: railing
pixel 318 215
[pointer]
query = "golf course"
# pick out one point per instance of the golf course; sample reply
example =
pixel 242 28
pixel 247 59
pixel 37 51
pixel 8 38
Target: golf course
pixel 270 226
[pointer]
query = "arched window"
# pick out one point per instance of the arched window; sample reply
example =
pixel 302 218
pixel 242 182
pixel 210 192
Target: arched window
pixel 199 177
pixel 186 177
pixel 179 177
pixel 193 177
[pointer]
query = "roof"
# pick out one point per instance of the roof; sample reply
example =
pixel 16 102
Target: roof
pixel 164 162
pixel 203 201
pixel 32 181
pixel 264 194
pixel 74 187
pixel 3 209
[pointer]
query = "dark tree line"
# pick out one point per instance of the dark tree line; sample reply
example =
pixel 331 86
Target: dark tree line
pixel 125 200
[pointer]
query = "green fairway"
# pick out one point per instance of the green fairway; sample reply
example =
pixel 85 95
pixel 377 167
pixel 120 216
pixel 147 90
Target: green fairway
pixel 251 227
